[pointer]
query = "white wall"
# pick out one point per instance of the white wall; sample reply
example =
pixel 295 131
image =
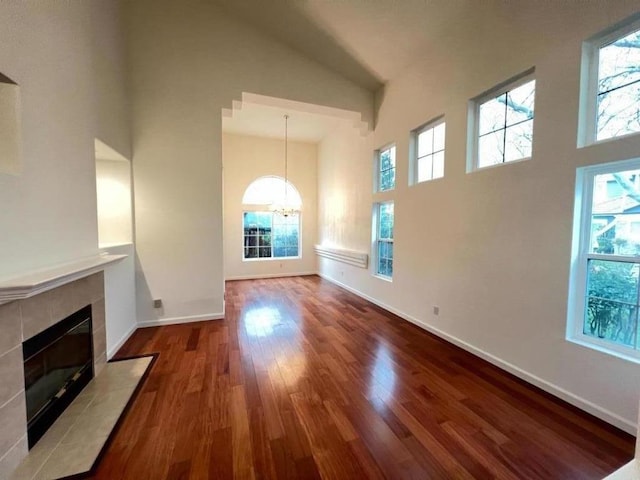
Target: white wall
pixel 246 158
pixel 111 70
pixel 10 127
pixel 345 190
pixel 115 236
pixel 189 60
pixel 490 248
pixel 120 297
pixel 67 58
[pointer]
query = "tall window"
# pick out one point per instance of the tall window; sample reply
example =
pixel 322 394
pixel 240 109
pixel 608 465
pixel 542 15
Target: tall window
pixel 271 235
pixel 428 152
pixel 502 123
pixel 604 283
pixel 267 234
pixel 611 84
pixel 384 239
pixel 386 168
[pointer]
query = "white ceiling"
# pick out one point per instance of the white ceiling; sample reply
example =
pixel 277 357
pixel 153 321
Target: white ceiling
pixel 264 117
pixel 263 121
pixel 367 41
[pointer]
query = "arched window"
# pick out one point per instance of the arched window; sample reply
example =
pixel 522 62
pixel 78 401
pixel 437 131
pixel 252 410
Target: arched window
pixel 271 191
pixel 266 232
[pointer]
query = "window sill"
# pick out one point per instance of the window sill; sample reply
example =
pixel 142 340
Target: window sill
pixel 593 142
pixel 383 277
pixel 271 259
pixel 430 180
pixel 490 167
pixel 389 191
pixel 603 349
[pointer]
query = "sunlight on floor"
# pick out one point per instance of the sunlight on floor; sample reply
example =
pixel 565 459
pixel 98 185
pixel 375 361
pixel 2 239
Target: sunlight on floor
pixel 383 376
pixel 260 322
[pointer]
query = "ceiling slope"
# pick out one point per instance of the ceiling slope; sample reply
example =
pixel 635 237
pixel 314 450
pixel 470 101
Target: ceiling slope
pixel 366 41
pixel 289 24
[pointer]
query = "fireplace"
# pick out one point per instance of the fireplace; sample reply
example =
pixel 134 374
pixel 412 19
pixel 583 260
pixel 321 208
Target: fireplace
pixel 58 363
pixel 28 307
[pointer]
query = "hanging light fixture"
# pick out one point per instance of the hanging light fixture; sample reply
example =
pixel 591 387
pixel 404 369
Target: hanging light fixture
pixel 285 208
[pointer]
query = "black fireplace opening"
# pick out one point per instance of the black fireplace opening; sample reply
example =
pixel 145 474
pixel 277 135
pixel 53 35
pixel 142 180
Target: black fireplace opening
pixel 58 363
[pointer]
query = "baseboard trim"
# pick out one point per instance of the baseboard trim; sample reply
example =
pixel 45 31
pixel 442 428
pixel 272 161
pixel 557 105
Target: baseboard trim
pixel 575 400
pixel 112 351
pixel 269 275
pixel 179 320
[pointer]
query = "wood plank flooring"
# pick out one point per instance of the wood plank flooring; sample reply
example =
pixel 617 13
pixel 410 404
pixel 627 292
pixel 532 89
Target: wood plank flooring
pixel 305 380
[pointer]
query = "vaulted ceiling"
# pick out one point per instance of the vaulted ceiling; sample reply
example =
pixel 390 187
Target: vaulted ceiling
pixel 367 41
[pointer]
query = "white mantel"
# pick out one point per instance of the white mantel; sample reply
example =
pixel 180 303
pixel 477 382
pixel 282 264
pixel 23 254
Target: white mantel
pixel 34 282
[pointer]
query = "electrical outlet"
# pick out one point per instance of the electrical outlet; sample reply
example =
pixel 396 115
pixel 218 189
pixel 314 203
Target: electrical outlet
pixel 436 310
pixel 157 303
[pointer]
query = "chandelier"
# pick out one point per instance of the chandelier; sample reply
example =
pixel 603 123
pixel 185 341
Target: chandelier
pixel 284 207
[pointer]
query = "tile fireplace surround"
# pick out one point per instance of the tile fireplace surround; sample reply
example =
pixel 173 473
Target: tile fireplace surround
pixel 22 319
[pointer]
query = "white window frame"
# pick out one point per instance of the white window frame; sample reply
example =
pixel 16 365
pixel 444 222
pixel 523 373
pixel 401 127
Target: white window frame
pixel 261 209
pixel 587 124
pixel 473 123
pixel 375 239
pixel 377 165
pixel 580 256
pixel 414 150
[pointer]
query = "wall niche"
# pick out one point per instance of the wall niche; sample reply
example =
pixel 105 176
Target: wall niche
pixel 114 202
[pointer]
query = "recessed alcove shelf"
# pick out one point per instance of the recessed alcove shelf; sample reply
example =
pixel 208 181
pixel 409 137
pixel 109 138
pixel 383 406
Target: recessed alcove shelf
pixel 10 127
pixel 31 283
pixel 113 190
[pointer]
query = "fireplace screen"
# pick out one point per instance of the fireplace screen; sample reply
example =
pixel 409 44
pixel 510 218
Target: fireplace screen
pixel 58 363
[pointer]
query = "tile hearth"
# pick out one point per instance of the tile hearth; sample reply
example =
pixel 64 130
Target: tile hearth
pixel 75 440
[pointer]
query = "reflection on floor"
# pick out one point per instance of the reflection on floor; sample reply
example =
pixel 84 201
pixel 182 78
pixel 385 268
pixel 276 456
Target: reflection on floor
pixel 302 379
pixel 75 440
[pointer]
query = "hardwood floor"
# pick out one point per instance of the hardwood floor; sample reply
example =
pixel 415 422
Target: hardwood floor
pixel 305 380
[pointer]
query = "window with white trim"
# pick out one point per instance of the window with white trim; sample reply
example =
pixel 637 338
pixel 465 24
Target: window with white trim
pixel 604 296
pixel 610 102
pixel 271 235
pixel 427 156
pixel 267 233
pixel 383 221
pixel 501 123
pixel 386 168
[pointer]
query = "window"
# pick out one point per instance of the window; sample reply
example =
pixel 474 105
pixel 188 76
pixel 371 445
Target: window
pixel 384 239
pixel 271 235
pixel 428 152
pixel 269 191
pixel 386 168
pixel 267 234
pixel 604 304
pixel 501 123
pixel 382 236
pixel 611 85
